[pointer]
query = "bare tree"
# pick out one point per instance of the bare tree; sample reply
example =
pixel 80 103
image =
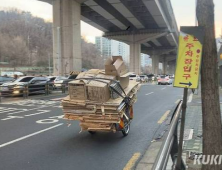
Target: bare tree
pixel 212 143
pixel 91 56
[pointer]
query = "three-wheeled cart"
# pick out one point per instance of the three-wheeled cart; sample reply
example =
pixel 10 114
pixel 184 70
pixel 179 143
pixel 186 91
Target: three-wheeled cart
pixel 114 115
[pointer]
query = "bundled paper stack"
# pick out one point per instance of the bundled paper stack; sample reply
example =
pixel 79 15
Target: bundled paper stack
pixel 91 102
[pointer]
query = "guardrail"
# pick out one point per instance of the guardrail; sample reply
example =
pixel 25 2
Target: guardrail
pixel 26 90
pixel 170 144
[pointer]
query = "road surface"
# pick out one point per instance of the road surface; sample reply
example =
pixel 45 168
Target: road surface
pixel 35 137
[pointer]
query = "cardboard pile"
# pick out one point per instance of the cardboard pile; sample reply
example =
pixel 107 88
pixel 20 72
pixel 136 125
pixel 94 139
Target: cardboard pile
pixel 90 100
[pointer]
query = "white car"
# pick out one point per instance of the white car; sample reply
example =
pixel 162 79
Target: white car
pixel 56 81
pixel 143 78
pixel 164 80
pixel 134 77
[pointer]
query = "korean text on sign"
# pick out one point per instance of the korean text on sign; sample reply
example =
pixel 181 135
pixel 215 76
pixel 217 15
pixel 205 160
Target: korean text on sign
pixel 188 62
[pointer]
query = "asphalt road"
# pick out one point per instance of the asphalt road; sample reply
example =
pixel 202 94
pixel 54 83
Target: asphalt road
pixel 33 135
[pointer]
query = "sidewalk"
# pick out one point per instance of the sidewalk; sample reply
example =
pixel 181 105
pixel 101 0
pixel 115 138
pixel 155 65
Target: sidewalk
pixel 192 137
pixel 193 130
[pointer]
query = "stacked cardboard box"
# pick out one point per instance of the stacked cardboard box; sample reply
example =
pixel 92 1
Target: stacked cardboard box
pixel 90 101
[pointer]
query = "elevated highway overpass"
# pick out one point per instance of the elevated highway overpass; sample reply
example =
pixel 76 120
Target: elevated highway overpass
pixel 147 26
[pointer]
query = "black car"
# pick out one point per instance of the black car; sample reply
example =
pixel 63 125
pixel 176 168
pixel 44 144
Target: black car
pixel 4 79
pixel 70 78
pixel 34 85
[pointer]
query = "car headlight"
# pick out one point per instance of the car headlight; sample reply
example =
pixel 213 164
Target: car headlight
pixel 19 87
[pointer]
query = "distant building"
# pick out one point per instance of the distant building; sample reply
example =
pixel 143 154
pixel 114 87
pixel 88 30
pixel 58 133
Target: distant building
pixel 104 46
pixel 145 60
pixel 110 48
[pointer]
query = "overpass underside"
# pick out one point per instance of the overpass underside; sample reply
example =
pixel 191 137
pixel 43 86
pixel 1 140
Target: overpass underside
pixel 147 26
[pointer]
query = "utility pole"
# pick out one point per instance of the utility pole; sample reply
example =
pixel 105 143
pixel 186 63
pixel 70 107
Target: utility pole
pixel 212 142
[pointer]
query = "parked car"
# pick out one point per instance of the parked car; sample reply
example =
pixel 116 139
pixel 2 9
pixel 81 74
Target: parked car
pixel 150 77
pixel 143 78
pixel 65 81
pixel 134 77
pixel 4 79
pixel 56 81
pixel 35 85
pixel 164 80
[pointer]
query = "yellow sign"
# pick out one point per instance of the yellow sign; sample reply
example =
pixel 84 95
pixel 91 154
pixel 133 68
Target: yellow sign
pixel 221 56
pixel 188 62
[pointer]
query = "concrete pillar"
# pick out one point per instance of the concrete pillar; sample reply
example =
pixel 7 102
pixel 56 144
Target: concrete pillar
pixel 164 66
pixel 155 64
pixel 66 37
pixel 134 41
pixel 172 68
pixel 135 58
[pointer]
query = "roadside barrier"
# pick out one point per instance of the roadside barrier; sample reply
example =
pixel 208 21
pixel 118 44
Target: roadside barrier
pixel 170 144
pixel 26 90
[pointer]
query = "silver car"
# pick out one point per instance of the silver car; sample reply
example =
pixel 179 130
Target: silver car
pixel 56 81
pixel 143 78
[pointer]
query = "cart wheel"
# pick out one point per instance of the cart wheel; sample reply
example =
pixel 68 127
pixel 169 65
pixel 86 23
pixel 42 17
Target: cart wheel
pixel 92 132
pixel 126 130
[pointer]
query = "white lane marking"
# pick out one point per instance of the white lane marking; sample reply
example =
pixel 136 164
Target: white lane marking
pixel 30 135
pixel 190 98
pixel 149 93
pixel 47 121
pixel 38 113
pixel 57 117
pixel 24 110
pixel 7 110
pixel 57 99
pixel 58 106
pixel 13 117
pixel 33 114
pixel 32 102
pixel 30 109
pixel 163 88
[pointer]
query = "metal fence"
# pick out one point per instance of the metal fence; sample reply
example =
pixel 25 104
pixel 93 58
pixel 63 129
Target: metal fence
pixel 170 144
pixel 26 90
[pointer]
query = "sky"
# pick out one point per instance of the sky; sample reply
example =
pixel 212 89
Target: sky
pixel 183 10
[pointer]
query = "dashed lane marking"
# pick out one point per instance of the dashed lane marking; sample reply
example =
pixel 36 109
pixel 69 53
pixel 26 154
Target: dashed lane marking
pixel 31 102
pixel 33 114
pixel 149 93
pixel 25 110
pixel 163 118
pixel 132 161
pixel 3 110
pixel 30 135
pixel 38 113
pixel 9 110
pixel 163 88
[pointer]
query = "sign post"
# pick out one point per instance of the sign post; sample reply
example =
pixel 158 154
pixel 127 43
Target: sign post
pixel 187 71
